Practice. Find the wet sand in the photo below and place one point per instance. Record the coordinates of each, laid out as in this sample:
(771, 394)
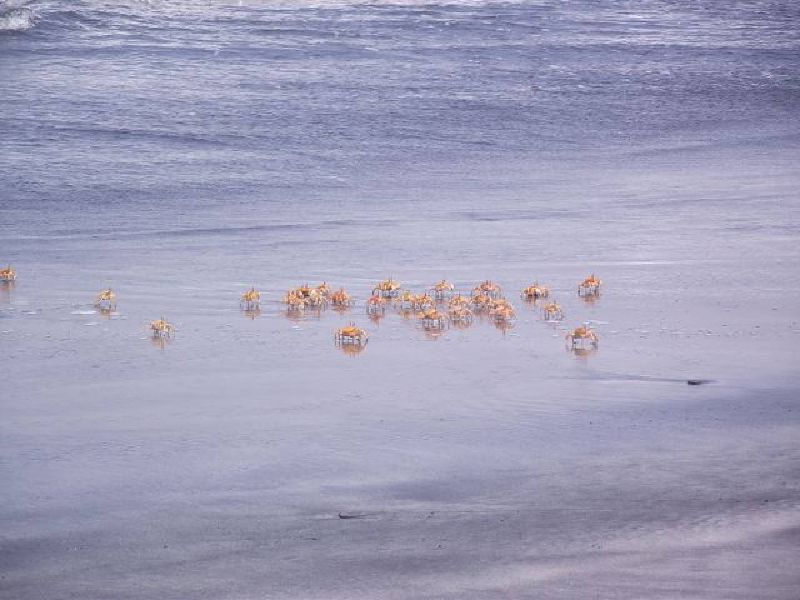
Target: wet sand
(206, 487)
(482, 464)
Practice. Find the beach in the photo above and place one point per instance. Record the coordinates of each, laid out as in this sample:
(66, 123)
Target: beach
(182, 155)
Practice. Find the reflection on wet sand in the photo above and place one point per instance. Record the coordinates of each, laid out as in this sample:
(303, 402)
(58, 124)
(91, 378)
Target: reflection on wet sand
(252, 313)
(591, 299)
(6, 289)
(160, 342)
(351, 350)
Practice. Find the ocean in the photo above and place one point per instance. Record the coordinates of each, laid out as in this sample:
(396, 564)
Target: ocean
(182, 152)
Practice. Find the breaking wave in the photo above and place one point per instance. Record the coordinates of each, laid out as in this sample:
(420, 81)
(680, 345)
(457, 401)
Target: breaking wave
(17, 19)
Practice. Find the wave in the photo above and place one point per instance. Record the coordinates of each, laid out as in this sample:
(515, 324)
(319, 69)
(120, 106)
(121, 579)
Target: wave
(17, 19)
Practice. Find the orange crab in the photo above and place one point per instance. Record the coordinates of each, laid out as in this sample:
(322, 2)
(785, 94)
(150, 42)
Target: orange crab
(106, 300)
(535, 291)
(459, 301)
(582, 338)
(305, 297)
(589, 286)
(162, 328)
(341, 299)
(503, 313)
(433, 320)
(303, 291)
(442, 290)
(422, 302)
(351, 336)
(251, 299)
(387, 289)
(7, 275)
(552, 312)
(406, 301)
(498, 304)
(294, 301)
(316, 299)
(481, 302)
(376, 306)
(488, 288)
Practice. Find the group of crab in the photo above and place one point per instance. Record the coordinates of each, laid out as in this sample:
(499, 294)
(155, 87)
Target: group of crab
(584, 339)
(485, 298)
(106, 303)
(305, 297)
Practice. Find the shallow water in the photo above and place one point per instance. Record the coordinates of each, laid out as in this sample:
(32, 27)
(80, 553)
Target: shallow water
(181, 154)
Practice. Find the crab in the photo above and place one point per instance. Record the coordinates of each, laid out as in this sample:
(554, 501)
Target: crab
(376, 306)
(351, 336)
(305, 297)
(162, 328)
(433, 320)
(582, 338)
(302, 292)
(387, 289)
(503, 314)
(589, 286)
(487, 288)
(500, 303)
(552, 312)
(324, 289)
(8, 274)
(341, 299)
(481, 302)
(422, 302)
(459, 301)
(460, 315)
(535, 291)
(442, 290)
(106, 300)
(294, 301)
(251, 299)
(406, 301)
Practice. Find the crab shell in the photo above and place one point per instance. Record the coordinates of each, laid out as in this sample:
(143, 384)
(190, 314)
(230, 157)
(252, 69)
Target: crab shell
(536, 291)
(161, 327)
(340, 298)
(389, 285)
(351, 335)
(487, 287)
(505, 313)
(106, 296)
(481, 301)
(501, 304)
(553, 312)
(444, 285)
(583, 333)
(251, 295)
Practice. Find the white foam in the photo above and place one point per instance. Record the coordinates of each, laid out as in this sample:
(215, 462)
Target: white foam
(18, 19)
